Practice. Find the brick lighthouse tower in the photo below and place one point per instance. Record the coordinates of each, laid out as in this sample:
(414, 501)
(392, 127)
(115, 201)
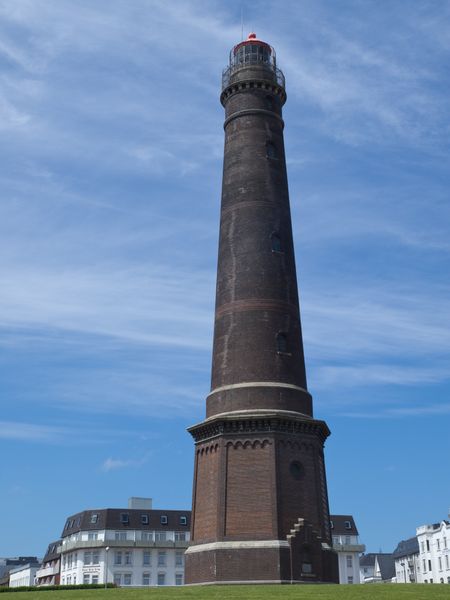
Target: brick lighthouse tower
(260, 503)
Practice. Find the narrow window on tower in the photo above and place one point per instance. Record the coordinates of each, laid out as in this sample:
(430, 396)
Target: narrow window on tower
(269, 103)
(271, 151)
(282, 346)
(276, 242)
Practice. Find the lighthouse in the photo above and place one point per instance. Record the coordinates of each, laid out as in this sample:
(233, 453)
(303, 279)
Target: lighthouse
(260, 502)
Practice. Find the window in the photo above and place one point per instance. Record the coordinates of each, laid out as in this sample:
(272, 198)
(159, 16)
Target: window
(179, 559)
(446, 562)
(124, 518)
(145, 578)
(296, 469)
(94, 518)
(117, 578)
(128, 557)
(178, 578)
(92, 535)
(180, 536)
(349, 561)
(74, 580)
(120, 535)
(431, 580)
(127, 579)
(269, 103)
(422, 546)
(164, 520)
(144, 519)
(146, 557)
(428, 545)
(347, 525)
(276, 242)
(271, 151)
(331, 525)
(160, 536)
(183, 520)
(147, 536)
(162, 559)
(429, 565)
(86, 578)
(78, 522)
(441, 580)
(88, 558)
(161, 579)
(424, 565)
(94, 579)
(118, 557)
(95, 557)
(440, 563)
(281, 343)
(349, 579)
(347, 540)
(335, 539)
(438, 544)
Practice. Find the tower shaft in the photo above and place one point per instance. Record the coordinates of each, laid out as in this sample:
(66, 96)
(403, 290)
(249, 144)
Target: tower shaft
(260, 504)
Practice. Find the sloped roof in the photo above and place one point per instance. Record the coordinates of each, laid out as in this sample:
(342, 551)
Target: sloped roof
(110, 518)
(406, 548)
(340, 525)
(367, 560)
(387, 566)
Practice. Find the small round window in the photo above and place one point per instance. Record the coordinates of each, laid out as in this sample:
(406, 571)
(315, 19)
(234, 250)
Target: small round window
(296, 469)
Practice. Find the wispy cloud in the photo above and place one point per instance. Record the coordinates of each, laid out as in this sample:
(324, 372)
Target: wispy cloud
(114, 464)
(27, 432)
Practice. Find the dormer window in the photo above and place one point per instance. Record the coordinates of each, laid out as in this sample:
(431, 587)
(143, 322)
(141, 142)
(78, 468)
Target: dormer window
(347, 525)
(164, 520)
(94, 518)
(144, 519)
(331, 524)
(124, 518)
(183, 520)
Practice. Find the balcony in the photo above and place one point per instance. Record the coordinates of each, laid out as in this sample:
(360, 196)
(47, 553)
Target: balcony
(48, 571)
(272, 73)
(349, 547)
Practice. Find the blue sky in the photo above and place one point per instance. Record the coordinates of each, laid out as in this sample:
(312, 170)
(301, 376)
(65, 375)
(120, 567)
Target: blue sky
(111, 152)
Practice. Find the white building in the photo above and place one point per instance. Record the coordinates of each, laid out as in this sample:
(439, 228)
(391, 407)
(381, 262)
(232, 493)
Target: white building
(134, 546)
(406, 560)
(377, 568)
(23, 575)
(434, 553)
(347, 546)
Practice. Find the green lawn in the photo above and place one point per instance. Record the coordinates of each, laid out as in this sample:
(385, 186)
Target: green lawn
(248, 592)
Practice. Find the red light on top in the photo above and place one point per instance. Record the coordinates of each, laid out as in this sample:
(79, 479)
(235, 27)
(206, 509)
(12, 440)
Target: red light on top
(251, 39)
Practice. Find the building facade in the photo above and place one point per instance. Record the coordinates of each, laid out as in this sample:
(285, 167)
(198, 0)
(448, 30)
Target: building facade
(377, 568)
(24, 575)
(434, 553)
(49, 572)
(346, 544)
(406, 559)
(129, 547)
(260, 501)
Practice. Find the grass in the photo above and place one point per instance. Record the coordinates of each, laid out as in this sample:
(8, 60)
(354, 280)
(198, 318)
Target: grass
(248, 592)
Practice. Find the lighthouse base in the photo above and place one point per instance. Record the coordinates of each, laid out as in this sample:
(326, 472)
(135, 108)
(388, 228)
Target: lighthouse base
(260, 562)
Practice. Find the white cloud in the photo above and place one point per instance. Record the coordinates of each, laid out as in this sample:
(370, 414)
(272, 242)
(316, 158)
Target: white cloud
(114, 464)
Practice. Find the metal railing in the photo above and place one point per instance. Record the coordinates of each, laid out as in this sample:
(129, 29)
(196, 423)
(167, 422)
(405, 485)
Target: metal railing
(231, 70)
